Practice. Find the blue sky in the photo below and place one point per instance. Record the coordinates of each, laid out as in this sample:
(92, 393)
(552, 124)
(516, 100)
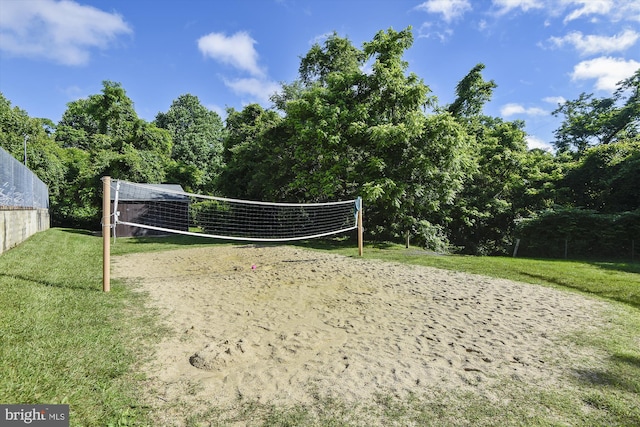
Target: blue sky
(231, 53)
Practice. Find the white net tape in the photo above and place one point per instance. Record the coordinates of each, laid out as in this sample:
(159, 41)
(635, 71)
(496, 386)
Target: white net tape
(166, 208)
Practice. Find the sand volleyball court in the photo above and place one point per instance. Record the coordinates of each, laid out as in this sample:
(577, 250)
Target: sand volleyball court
(283, 325)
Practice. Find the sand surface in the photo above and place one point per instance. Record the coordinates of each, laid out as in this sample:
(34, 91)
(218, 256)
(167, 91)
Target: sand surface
(283, 324)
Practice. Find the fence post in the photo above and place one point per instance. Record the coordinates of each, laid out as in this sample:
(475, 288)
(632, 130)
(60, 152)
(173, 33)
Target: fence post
(25, 150)
(360, 227)
(515, 249)
(106, 233)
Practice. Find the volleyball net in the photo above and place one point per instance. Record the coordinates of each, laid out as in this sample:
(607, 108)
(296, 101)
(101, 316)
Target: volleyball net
(162, 208)
(168, 209)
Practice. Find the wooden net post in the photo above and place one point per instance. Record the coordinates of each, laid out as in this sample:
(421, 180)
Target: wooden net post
(360, 227)
(106, 234)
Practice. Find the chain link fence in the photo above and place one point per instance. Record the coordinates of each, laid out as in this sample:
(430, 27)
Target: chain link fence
(561, 248)
(19, 187)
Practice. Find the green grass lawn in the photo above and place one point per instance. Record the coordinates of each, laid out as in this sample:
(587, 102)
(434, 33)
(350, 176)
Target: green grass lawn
(62, 340)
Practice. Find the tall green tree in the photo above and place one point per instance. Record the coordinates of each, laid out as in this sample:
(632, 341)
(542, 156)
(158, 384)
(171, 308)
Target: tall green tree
(412, 165)
(253, 164)
(541, 187)
(482, 218)
(107, 127)
(590, 121)
(104, 136)
(324, 119)
(349, 133)
(197, 135)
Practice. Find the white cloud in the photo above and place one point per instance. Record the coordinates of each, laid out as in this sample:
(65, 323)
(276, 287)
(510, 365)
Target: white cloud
(64, 31)
(236, 50)
(591, 44)
(257, 88)
(535, 142)
(605, 70)
(556, 100)
(588, 7)
(512, 109)
(426, 31)
(450, 9)
(72, 92)
(506, 6)
(614, 10)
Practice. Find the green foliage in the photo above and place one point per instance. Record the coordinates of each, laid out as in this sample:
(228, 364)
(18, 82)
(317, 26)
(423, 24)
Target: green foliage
(472, 92)
(103, 135)
(202, 212)
(337, 55)
(590, 121)
(253, 166)
(606, 179)
(482, 217)
(197, 135)
(347, 133)
(540, 189)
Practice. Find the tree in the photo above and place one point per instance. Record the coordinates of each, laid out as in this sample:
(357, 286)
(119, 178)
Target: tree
(353, 133)
(472, 92)
(323, 133)
(540, 188)
(104, 136)
(605, 179)
(481, 219)
(590, 121)
(253, 167)
(107, 127)
(337, 55)
(324, 122)
(412, 166)
(197, 135)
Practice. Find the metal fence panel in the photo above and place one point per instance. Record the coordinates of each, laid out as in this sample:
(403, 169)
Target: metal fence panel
(19, 187)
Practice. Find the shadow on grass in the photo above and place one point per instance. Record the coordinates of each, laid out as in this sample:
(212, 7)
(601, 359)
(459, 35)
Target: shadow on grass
(624, 378)
(545, 279)
(42, 282)
(633, 361)
(628, 267)
(78, 231)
